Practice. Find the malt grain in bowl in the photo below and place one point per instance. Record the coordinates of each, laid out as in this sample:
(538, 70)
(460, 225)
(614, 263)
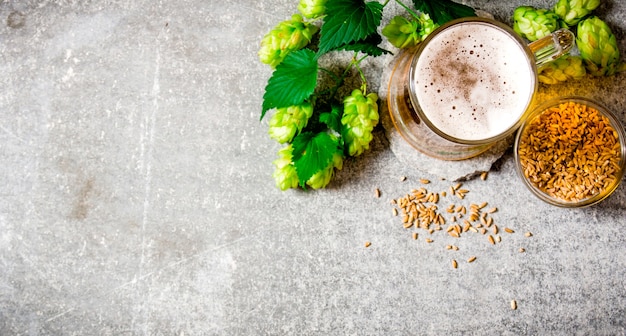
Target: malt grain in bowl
(571, 152)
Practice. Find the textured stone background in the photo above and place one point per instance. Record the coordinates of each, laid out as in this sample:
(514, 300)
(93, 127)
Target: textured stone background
(137, 196)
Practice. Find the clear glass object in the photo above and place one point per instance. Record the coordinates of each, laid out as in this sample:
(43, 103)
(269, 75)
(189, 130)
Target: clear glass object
(608, 189)
(422, 133)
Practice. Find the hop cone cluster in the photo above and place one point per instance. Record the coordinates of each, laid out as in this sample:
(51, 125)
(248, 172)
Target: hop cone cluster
(572, 11)
(533, 24)
(405, 33)
(360, 116)
(285, 173)
(287, 36)
(286, 176)
(598, 47)
(312, 9)
(288, 121)
(563, 69)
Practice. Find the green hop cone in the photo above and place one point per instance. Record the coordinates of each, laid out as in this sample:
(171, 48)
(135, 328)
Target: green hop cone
(287, 36)
(312, 8)
(533, 24)
(288, 121)
(323, 177)
(270, 51)
(598, 47)
(563, 69)
(428, 26)
(405, 33)
(285, 173)
(572, 11)
(360, 116)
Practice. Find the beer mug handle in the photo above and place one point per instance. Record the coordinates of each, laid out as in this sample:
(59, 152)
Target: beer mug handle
(552, 46)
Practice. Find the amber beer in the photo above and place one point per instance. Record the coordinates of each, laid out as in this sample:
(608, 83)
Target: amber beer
(473, 81)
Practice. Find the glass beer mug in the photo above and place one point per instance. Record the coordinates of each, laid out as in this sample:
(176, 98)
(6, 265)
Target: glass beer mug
(470, 84)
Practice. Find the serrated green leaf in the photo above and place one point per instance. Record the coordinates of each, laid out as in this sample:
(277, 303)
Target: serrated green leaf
(442, 11)
(367, 46)
(348, 21)
(313, 152)
(332, 119)
(292, 82)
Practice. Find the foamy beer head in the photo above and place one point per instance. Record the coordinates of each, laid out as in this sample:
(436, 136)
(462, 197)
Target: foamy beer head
(472, 81)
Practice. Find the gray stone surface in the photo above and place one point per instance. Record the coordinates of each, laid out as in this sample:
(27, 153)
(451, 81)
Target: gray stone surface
(137, 197)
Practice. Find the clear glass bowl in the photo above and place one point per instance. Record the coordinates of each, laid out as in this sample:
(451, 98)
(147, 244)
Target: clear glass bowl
(563, 161)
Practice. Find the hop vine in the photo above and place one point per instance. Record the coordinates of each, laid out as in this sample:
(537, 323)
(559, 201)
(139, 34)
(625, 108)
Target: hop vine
(320, 126)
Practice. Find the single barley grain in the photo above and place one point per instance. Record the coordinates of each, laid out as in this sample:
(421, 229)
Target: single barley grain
(454, 234)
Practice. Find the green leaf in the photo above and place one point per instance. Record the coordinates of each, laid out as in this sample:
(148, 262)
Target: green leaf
(332, 119)
(442, 11)
(292, 82)
(367, 46)
(348, 21)
(313, 152)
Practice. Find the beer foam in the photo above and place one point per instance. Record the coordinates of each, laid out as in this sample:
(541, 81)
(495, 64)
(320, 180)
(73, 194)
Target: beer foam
(473, 81)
